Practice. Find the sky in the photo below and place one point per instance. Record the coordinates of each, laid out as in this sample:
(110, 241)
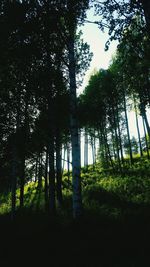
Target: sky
(96, 39)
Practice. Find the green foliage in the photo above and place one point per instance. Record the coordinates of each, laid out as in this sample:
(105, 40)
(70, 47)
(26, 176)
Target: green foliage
(105, 193)
(115, 195)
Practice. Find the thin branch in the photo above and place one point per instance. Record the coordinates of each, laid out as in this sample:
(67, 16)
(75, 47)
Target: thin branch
(98, 23)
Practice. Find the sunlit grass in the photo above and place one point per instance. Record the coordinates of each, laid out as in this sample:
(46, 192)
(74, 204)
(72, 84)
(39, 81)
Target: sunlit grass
(108, 194)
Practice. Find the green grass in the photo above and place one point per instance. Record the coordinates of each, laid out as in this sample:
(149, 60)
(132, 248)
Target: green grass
(106, 193)
(112, 232)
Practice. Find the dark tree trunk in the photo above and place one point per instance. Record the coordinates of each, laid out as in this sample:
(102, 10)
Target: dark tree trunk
(58, 169)
(14, 179)
(23, 152)
(113, 145)
(22, 181)
(36, 169)
(119, 137)
(68, 163)
(137, 126)
(40, 170)
(93, 151)
(46, 180)
(146, 141)
(127, 125)
(108, 151)
(86, 149)
(64, 155)
(116, 138)
(143, 113)
(52, 202)
(146, 8)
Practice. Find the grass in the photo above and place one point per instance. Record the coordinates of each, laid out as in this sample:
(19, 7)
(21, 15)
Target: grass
(113, 232)
(101, 190)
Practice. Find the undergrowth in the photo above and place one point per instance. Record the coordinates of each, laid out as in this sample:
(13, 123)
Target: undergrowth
(106, 193)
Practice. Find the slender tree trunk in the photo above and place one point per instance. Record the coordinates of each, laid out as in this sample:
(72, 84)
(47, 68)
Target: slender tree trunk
(93, 151)
(108, 150)
(52, 176)
(36, 169)
(113, 145)
(23, 152)
(144, 115)
(76, 165)
(58, 169)
(127, 125)
(15, 159)
(22, 181)
(94, 148)
(119, 137)
(146, 8)
(14, 180)
(64, 155)
(68, 163)
(40, 172)
(101, 146)
(86, 149)
(46, 180)
(147, 149)
(116, 137)
(137, 126)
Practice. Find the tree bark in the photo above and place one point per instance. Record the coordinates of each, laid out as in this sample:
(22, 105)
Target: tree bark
(52, 202)
(14, 180)
(143, 112)
(127, 125)
(116, 137)
(137, 126)
(147, 149)
(86, 149)
(119, 135)
(76, 166)
(46, 180)
(58, 170)
(146, 8)
(68, 163)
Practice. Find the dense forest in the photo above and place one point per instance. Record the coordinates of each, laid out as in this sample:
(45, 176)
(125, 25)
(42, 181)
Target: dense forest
(53, 210)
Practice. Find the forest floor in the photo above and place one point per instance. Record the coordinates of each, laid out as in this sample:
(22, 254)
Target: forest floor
(114, 230)
(94, 241)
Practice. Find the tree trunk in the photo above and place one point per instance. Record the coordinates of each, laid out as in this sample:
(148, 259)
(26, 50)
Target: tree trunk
(119, 137)
(147, 149)
(46, 180)
(58, 169)
(127, 125)
(86, 149)
(143, 112)
(93, 151)
(68, 163)
(64, 155)
(146, 8)
(23, 152)
(113, 145)
(116, 137)
(36, 169)
(14, 179)
(40, 172)
(52, 176)
(108, 150)
(75, 142)
(22, 180)
(137, 126)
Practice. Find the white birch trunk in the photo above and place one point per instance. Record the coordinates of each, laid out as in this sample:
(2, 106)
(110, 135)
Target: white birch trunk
(86, 149)
(76, 165)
